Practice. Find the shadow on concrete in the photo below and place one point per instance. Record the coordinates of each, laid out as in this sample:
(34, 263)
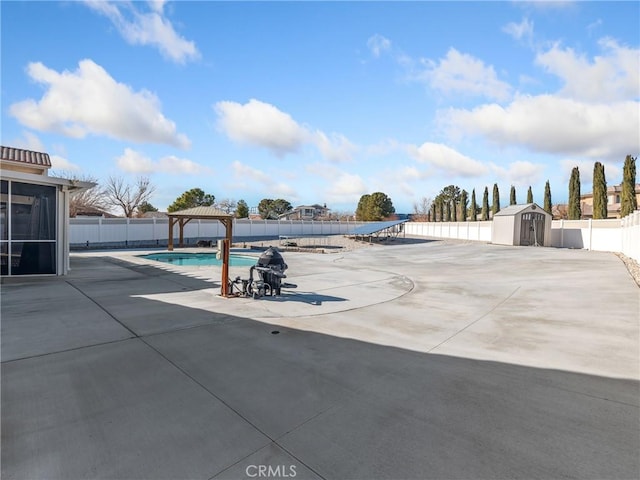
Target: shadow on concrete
(302, 297)
(217, 399)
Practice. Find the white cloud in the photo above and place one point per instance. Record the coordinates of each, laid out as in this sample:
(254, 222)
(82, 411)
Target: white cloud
(550, 124)
(460, 73)
(520, 173)
(132, 161)
(146, 28)
(520, 31)
(90, 101)
(260, 181)
(346, 188)
(338, 148)
(260, 124)
(448, 160)
(264, 125)
(62, 164)
(378, 44)
(612, 76)
(29, 141)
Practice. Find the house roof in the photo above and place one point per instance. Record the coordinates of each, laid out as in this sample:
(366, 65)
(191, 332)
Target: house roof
(201, 212)
(26, 157)
(515, 209)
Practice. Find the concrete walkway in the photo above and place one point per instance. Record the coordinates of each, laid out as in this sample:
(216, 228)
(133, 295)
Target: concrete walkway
(432, 360)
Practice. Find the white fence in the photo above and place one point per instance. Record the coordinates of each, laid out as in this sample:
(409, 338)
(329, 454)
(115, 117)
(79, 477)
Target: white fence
(479, 231)
(611, 235)
(155, 231)
(604, 235)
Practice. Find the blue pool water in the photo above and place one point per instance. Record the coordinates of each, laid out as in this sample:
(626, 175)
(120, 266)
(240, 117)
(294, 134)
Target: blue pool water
(200, 259)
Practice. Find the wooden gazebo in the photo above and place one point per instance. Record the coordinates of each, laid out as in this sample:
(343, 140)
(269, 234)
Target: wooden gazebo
(183, 217)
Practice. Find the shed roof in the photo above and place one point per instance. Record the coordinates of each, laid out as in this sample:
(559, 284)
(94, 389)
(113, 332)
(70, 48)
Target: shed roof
(515, 209)
(26, 157)
(201, 212)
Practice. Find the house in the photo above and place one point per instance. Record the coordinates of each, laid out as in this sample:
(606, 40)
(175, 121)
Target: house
(306, 212)
(34, 214)
(614, 194)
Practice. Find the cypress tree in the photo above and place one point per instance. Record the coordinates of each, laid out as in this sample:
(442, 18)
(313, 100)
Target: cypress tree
(485, 205)
(599, 192)
(433, 211)
(495, 208)
(454, 211)
(474, 207)
(512, 196)
(440, 209)
(574, 195)
(629, 202)
(464, 202)
(529, 195)
(547, 197)
(447, 211)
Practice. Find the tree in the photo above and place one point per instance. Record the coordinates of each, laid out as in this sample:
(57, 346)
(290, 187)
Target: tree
(628, 200)
(195, 197)
(374, 207)
(90, 200)
(421, 210)
(485, 205)
(440, 208)
(512, 196)
(529, 195)
(464, 202)
(227, 205)
(271, 209)
(495, 208)
(447, 211)
(474, 206)
(119, 194)
(433, 212)
(145, 207)
(575, 211)
(599, 192)
(242, 209)
(547, 197)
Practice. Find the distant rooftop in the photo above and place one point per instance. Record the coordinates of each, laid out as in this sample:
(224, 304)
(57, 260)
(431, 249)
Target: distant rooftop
(26, 157)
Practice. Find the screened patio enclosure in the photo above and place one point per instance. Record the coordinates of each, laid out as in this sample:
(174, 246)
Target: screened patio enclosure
(34, 215)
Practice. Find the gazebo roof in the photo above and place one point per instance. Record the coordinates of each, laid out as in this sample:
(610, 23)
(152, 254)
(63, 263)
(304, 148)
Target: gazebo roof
(201, 213)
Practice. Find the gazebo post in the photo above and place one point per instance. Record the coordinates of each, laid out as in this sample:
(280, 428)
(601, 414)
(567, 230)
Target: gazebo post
(172, 222)
(226, 247)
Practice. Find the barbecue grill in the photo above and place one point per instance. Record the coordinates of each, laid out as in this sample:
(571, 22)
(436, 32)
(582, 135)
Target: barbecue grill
(270, 270)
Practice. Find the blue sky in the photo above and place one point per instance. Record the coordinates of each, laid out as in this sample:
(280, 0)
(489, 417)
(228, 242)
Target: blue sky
(322, 102)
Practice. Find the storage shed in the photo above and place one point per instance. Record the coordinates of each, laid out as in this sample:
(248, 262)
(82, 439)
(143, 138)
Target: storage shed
(524, 225)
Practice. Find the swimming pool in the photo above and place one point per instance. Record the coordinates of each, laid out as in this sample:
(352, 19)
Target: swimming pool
(200, 259)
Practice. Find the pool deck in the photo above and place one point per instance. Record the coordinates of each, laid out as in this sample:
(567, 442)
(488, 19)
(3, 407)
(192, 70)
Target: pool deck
(441, 360)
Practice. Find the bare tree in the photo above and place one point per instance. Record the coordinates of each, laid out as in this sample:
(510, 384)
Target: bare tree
(128, 197)
(421, 210)
(85, 201)
(227, 205)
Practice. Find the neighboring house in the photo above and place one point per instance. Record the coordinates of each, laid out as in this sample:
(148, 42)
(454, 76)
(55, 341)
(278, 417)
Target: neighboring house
(614, 193)
(306, 212)
(34, 214)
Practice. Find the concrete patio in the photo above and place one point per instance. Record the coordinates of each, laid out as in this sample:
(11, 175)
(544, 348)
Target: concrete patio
(434, 360)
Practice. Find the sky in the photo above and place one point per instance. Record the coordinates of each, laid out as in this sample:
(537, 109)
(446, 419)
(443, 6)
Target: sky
(322, 102)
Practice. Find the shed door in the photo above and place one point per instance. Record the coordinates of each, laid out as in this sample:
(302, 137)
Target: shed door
(532, 228)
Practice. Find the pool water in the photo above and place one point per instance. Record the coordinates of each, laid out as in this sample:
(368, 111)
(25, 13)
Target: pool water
(200, 259)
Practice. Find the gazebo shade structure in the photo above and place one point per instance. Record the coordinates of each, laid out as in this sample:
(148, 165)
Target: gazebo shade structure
(183, 217)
